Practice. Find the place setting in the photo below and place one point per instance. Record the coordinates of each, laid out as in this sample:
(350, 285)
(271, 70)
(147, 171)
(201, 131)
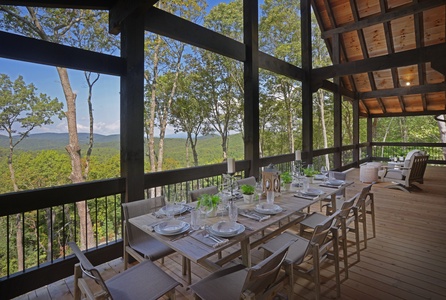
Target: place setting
(218, 234)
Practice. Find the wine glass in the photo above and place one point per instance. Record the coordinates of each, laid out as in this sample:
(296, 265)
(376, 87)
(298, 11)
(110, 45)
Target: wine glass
(324, 172)
(170, 207)
(223, 204)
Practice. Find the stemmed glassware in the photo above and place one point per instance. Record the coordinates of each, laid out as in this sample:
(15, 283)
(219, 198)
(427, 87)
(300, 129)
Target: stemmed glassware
(324, 172)
(223, 204)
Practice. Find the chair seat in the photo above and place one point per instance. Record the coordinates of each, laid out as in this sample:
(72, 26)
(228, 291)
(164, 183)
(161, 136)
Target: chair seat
(395, 174)
(232, 283)
(150, 247)
(141, 282)
(296, 251)
(313, 220)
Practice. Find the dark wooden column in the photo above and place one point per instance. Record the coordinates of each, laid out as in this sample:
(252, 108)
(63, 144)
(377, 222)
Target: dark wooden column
(337, 106)
(355, 104)
(251, 85)
(132, 106)
(307, 95)
(369, 137)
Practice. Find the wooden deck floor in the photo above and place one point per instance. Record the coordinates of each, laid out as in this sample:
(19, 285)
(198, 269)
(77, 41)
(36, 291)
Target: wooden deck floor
(406, 260)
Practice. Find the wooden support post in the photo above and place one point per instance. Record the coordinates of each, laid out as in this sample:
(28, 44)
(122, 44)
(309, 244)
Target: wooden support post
(307, 95)
(369, 137)
(132, 106)
(251, 86)
(337, 106)
(356, 131)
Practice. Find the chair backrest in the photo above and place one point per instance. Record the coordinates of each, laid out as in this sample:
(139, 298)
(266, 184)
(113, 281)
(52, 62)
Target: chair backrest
(138, 208)
(88, 269)
(363, 196)
(347, 206)
(321, 231)
(249, 181)
(417, 167)
(195, 194)
(339, 176)
(264, 275)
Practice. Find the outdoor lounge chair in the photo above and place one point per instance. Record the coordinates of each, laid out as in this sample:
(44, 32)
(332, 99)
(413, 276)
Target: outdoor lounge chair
(133, 283)
(403, 178)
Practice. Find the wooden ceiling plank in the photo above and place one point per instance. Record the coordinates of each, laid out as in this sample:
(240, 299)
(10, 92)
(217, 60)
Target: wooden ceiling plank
(330, 46)
(391, 49)
(365, 53)
(396, 13)
(400, 59)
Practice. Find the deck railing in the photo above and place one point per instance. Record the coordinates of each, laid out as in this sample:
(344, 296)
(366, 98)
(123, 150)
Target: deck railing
(39, 210)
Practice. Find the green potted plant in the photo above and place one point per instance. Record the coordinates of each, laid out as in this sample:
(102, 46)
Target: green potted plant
(248, 192)
(310, 172)
(286, 178)
(208, 204)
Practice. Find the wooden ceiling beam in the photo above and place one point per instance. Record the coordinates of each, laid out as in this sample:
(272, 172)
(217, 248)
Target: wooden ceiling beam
(439, 65)
(400, 59)
(122, 9)
(165, 24)
(399, 12)
(404, 91)
(409, 114)
(46, 53)
(419, 41)
(75, 4)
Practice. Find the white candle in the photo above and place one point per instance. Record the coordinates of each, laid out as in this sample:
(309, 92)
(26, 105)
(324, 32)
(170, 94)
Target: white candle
(298, 155)
(231, 165)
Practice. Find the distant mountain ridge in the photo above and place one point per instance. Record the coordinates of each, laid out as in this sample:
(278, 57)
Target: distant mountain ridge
(58, 141)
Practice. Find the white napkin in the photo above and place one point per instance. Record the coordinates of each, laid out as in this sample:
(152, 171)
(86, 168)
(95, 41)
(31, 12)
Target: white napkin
(151, 226)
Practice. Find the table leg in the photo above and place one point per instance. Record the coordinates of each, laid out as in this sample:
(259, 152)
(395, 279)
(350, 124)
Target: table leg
(245, 248)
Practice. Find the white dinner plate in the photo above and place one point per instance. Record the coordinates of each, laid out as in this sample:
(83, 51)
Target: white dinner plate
(177, 209)
(319, 177)
(313, 192)
(225, 235)
(172, 227)
(225, 227)
(268, 209)
(335, 182)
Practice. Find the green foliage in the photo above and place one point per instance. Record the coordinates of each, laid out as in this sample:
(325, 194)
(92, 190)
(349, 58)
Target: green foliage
(247, 189)
(286, 177)
(309, 172)
(208, 200)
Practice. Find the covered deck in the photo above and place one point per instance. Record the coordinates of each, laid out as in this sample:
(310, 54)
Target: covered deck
(406, 260)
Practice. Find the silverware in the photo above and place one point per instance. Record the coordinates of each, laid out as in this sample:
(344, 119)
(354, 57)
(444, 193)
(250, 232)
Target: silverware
(214, 238)
(181, 236)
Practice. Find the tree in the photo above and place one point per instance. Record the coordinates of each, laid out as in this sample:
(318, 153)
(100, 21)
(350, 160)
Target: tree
(57, 26)
(164, 64)
(20, 106)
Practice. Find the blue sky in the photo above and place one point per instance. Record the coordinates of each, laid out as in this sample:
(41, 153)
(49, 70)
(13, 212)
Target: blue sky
(105, 94)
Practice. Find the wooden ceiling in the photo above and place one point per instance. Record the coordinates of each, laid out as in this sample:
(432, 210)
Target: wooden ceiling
(398, 47)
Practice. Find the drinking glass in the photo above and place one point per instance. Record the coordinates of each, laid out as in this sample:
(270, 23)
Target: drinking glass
(195, 219)
(170, 207)
(223, 204)
(233, 212)
(259, 191)
(324, 172)
(306, 185)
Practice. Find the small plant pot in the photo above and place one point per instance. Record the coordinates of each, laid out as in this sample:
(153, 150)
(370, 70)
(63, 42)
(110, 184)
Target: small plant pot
(248, 198)
(212, 213)
(310, 179)
(287, 186)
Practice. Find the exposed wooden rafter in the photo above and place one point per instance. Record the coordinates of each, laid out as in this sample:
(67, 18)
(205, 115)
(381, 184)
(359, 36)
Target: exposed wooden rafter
(393, 14)
(76, 4)
(122, 9)
(403, 91)
(400, 59)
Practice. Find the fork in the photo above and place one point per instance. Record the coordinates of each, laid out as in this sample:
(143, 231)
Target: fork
(214, 238)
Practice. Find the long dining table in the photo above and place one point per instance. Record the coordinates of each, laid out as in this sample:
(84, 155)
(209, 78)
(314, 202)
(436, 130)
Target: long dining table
(255, 233)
